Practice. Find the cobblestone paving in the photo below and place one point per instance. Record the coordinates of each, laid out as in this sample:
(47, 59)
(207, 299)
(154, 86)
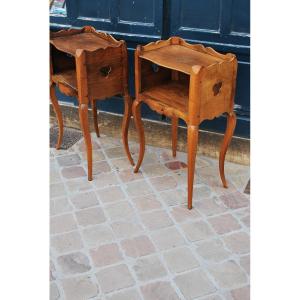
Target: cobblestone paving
(130, 236)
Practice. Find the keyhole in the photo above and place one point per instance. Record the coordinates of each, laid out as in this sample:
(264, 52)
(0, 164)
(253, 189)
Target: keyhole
(217, 87)
(105, 71)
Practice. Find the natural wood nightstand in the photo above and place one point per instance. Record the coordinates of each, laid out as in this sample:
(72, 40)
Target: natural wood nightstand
(91, 66)
(186, 81)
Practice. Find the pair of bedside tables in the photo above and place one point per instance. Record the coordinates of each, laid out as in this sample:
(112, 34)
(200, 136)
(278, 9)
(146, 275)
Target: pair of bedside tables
(172, 77)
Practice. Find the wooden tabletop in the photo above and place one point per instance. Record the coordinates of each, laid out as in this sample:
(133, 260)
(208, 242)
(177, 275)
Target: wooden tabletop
(179, 58)
(86, 41)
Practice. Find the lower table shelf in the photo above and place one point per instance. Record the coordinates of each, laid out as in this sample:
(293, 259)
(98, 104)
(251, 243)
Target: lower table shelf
(172, 94)
(67, 77)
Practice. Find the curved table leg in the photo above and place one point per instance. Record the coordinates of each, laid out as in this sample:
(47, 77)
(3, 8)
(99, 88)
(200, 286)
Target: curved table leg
(58, 115)
(84, 122)
(125, 126)
(193, 132)
(136, 109)
(174, 135)
(231, 122)
(95, 117)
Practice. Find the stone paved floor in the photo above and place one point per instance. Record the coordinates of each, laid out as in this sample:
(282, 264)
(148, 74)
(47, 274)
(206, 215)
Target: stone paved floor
(130, 236)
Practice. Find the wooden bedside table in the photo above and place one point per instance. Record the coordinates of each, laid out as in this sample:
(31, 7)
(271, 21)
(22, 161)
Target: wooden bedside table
(186, 81)
(91, 66)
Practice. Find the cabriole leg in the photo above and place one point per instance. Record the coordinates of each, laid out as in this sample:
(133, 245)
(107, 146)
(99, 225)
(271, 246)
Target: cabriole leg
(125, 125)
(58, 114)
(231, 122)
(174, 135)
(192, 151)
(95, 117)
(136, 109)
(84, 122)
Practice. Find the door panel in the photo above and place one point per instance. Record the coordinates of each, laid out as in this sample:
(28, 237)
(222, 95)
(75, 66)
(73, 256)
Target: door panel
(98, 9)
(241, 17)
(200, 15)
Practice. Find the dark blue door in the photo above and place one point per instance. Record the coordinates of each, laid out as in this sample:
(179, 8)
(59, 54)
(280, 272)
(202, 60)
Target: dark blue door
(221, 24)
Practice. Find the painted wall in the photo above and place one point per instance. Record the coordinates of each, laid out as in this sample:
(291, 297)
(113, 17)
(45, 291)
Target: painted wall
(221, 24)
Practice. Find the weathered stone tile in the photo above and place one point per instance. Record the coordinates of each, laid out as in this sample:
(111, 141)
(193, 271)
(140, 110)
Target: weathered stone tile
(90, 216)
(62, 223)
(156, 220)
(235, 200)
(106, 255)
(54, 292)
(97, 155)
(57, 190)
(238, 243)
(101, 167)
(180, 259)
(241, 293)
(74, 263)
(212, 297)
(138, 188)
(106, 180)
(160, 290)
(97, 235)
(128, 175)
(84, 200)
(115, 152)
(180, 177)
(52, 271)
(224, 223)
(209, 206)
(149, 158)
(108, 142)
(218, 188)
(148, 268)
(166, 155)
(114, 278)
(228, 274)
(79, 185)
(151, 170)
(59, 206)
(244, 216)
(167, 238)
(81, 145)
(213, 250)
(66, 242)
(122, 164)
(174, 197)
(79, 288)
(196, 231)
(182, 214)
(131, 294)
(126, 229)
(138, 246)
(111, 194)
(163, 183)
(73, 172)
(175, 165)
(69, 160)
(246, 220)
(245, 263)
(145, 203)
(200, 192)
(119, 210)
(194, 284)
(54, 176)
(203, 162)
